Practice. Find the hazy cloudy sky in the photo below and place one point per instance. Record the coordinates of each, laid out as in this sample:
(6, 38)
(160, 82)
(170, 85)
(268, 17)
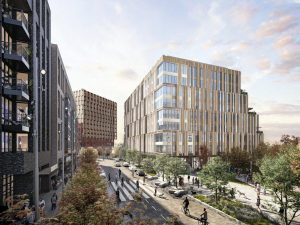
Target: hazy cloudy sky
(109, 46)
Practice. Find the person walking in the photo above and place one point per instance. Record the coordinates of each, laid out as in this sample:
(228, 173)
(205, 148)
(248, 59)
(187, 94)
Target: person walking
(258, 202)
(155, 190)
(118, 194)
(53, 201)
(144, 179)
(137, 185)
(117, 177)
(189, 179)
(122, 181)
(108, 176)
(193, 180)
(198, 182)
(203, 216)
(120, 172)
(42, 207)
(186, 203)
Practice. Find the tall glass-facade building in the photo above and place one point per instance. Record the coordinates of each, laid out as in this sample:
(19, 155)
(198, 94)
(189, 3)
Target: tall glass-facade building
(182, 105)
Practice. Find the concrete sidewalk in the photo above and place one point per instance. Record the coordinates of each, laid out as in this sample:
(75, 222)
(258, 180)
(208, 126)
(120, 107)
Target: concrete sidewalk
(47, 197)
(174, 205)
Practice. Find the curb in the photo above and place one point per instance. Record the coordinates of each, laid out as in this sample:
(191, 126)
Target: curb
(217, 211)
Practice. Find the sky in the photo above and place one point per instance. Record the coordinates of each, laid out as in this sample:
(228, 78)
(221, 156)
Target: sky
(109, 46)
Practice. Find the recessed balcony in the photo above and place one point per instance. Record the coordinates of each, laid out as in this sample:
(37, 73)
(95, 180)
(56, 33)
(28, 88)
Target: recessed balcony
(19, 124)
(13, 87)
(16, 55)
(15, 22)
(25, 5)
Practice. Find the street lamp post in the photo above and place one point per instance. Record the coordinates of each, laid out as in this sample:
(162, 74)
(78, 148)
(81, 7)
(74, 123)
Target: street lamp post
(35, 144)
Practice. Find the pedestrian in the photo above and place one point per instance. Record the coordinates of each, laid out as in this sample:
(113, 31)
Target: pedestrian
(122, 181)
(53, 201)
(193, 180)
(144, 179)
(198, 183)
(116, 177)
(137, 185)
(120, 172)
(42, 207)
(189, 179)
(155, 190)
(118, 194)
(203, 216)
(258, 202)
(108, 176)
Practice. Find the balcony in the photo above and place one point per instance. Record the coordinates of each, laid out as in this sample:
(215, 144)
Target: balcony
(25, 5)
(16, 162)
(15, 23)
(18, 125)
(16, 55)
(15, 87)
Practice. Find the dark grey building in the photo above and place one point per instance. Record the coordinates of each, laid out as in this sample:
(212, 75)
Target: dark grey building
(25, 51)
(63, 117)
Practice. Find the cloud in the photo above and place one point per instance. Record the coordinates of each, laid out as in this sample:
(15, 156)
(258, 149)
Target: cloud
(263, 64)
(127, 74)
(277, 25)
(283, 41)
(118, 8)
(273, 131)
(282, 109)
(243, 13)
(288, 61)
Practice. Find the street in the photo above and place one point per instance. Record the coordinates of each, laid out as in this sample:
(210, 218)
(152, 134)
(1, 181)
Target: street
(148, 208)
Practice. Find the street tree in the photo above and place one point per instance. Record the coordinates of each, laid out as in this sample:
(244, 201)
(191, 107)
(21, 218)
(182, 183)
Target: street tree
(289, 140)
(160, 164)
(130, 156)
(237, 158)
(175, 167)
(215, 175)
(276, 173)
(137, 157)
(148, 165)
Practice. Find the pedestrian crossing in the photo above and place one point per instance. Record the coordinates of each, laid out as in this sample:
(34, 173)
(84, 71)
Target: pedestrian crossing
(126, 191)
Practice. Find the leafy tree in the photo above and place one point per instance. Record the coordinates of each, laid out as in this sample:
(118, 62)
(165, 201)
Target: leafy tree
(289, 140)
(148, 165)
(203, 154)
(215, 174)
(175, 167)
(160, 164)
(237, 158)
(130, 156)
(137, 157)
(276, 173)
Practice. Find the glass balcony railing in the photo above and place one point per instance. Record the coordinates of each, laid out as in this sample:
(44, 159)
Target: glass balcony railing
(19, 49)
(15, 84)
(12, 150)
(16, 14)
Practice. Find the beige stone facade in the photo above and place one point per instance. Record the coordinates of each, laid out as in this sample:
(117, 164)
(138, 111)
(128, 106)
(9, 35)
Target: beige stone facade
(181, 105)
(97, 120)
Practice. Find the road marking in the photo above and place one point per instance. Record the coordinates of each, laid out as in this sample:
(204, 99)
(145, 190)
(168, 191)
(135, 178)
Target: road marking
(120, 194)
(144, 195)
(154, 208)
(163, 217)
(147, 201)
(125, 191)
(129, 187)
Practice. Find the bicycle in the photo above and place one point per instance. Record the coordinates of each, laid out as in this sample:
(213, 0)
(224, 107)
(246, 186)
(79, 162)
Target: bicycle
(186, 211)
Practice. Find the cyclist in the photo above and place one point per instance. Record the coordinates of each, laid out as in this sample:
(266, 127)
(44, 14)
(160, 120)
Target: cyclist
(186, 205)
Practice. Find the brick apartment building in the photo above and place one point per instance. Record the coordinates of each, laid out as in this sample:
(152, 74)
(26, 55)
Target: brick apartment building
(97, 120)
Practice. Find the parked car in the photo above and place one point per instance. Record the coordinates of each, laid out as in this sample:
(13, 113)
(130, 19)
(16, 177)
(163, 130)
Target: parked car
(102, 174)
(125, 164)
(180, 193)
(132, 168)
(140, 173)
(117, 164)
(152, 177)
(163, 184)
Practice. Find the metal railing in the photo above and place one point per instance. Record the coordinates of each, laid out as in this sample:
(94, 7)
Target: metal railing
(16, 48)
(19, 119)
(15, 84)
(16, 14)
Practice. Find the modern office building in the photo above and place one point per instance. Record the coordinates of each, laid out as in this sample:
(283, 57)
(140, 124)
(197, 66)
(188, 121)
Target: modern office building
(97, 120)
(182, 105)
(63, 118)
(25, 51)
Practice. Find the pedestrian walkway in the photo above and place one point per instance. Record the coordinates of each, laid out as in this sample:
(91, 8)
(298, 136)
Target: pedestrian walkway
(47, 197)
(127, 191)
